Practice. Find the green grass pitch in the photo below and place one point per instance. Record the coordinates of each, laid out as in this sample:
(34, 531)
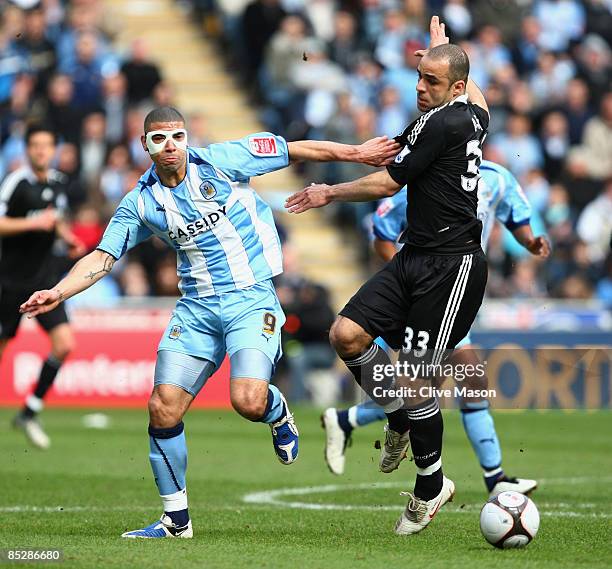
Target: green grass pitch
(94, 484)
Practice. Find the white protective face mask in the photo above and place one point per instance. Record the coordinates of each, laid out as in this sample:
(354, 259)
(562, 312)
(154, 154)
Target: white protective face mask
(157, 147)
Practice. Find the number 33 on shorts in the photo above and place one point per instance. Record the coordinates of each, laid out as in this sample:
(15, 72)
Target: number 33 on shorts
(420, 346)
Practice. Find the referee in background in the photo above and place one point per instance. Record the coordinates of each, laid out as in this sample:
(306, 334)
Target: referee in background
(32, 204)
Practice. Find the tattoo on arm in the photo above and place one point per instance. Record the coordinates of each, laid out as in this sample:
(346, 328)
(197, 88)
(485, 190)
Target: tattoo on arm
(108, 266)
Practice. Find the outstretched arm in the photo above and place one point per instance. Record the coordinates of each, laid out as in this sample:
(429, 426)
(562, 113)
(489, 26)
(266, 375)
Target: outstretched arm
(45, 221)
(372, 187)
(538, 246)
(88, 271)
(437, 35)
(378, 151)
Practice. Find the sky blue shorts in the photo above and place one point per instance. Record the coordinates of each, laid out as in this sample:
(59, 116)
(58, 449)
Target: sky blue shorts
(213, 326)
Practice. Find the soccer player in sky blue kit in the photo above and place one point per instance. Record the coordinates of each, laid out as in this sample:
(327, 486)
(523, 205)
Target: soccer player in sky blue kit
(499, 197)
(197, 200)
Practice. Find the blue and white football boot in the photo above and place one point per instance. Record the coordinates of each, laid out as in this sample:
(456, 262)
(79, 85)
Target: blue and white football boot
(165, 527)
(285, 436)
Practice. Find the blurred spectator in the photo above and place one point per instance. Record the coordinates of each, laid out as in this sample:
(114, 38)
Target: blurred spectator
(524, 280)
(112, 181)
(86, 72)
(526, 50)
(489, 52)
(199, 136)
(548, 82)
(537, 189)
(68, 163)
(392, 118)
(577, 109)
(87, 226)
(166, 280)
(309, 317)
(39, 50)
(389, 46)
(595, 225)
(365, 82)
(18, 107)
(518, 147)
(594, 65)
(164, 95)
(141, 74)
(12, 64)
(346, 42)
(320, 80)
(114, 105)
(133, 131)
(561, 21)
(555, 144)
(59, 111)
(457, 18)
(575, 287)
(133, 280)
(521, 99)
(287, 49)
(593, 158)
(260, 20)
(93, 148)
(405, 77)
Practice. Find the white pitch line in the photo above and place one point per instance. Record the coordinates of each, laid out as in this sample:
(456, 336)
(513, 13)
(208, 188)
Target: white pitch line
(271, 498)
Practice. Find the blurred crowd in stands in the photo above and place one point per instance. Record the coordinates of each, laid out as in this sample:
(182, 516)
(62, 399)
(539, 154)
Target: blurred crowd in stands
(346, 71)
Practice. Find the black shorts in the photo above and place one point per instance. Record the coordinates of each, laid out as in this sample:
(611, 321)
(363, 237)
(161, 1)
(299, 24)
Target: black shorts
(421, 301)
(11, 300)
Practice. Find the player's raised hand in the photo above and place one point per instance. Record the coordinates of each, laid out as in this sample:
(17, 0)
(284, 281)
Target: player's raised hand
(437, 36)
(315, 195)
(539, 246)
(44, 221)
(40, 302)
(378, 151)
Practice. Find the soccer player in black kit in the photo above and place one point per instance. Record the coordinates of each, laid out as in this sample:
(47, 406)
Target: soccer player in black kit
(427, 297)
(32, 201)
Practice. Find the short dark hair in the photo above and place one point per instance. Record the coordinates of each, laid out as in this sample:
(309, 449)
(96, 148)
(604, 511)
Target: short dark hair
(162, 114)
(39, 127)
(458, 61)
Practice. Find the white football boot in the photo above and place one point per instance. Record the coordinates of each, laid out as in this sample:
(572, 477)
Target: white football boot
(394, 450)
(33, 431)
(520, 485)
(419, 513)
(335, 441)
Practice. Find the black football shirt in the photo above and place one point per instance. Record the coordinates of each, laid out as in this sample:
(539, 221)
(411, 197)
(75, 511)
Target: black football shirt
(439, 163)
(25, 258)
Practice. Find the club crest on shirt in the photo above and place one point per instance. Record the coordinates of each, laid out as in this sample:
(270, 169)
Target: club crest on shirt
(208, 190)
(402, 154)
(175, 332)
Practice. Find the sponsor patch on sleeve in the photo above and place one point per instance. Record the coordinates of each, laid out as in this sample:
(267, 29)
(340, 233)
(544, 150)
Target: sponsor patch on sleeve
(384, 208)
(263, 146)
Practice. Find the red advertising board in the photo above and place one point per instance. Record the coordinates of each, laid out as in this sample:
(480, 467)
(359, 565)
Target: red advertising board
(112, 365)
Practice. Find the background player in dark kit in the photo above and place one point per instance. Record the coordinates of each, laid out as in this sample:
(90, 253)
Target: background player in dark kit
(32, 202)
(427, 297)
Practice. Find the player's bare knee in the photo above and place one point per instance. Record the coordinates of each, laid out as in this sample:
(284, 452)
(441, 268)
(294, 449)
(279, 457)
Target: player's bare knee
(476, 382)
(161, 414)
(348, 338)
(63, 350)
(250, 404)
